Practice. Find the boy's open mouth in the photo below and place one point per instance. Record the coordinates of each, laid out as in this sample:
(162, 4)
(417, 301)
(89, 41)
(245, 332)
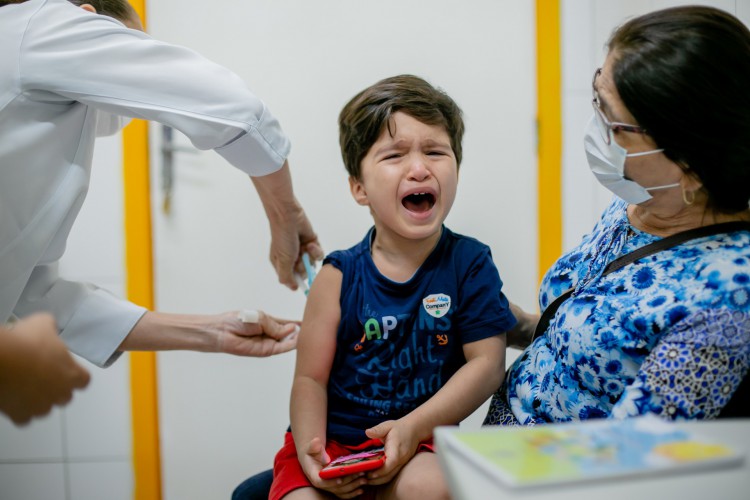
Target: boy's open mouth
(418, 202)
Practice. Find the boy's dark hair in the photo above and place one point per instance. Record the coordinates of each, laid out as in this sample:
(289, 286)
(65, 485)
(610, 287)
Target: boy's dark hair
(684, 74)
(368, 113)
(119, 9)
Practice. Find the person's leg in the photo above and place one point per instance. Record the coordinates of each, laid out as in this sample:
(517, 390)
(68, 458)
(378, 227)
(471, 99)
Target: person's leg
(289, 480)
(307, 494)
(420, 478)
(256, 487)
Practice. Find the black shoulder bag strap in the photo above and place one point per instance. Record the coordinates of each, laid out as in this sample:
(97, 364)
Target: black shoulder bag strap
(629, 258)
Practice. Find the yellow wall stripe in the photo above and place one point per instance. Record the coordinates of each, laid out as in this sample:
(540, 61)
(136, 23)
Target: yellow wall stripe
(139, 278)
(549, 123)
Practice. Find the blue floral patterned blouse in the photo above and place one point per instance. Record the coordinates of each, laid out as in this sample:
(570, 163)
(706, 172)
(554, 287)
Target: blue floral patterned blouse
(668, 334)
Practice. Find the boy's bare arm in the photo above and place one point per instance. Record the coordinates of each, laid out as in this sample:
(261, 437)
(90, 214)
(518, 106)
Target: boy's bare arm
(309, 400)
(316, 348)
(466, 390)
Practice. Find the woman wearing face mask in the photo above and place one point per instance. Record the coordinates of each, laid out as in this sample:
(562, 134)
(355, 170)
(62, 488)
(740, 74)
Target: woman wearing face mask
(665, 330)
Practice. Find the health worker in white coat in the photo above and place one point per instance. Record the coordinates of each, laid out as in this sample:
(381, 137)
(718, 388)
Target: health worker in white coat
(68, 73)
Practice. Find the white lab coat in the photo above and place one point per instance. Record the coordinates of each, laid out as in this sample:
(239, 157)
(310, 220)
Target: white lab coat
(62, 71)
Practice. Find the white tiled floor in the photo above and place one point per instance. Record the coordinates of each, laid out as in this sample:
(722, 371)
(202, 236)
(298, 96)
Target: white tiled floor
(82, 452)
(87, 444)
(41, 440)
(101, 480)
(97, 425)
(32, 482)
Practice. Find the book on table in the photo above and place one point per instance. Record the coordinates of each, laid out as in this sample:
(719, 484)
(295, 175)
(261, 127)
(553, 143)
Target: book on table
(592, 450)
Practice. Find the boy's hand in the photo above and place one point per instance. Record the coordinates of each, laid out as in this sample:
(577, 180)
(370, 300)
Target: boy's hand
(315, 458)
(400, 445)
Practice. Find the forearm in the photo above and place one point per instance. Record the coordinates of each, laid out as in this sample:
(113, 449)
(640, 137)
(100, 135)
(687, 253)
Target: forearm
(93, 322)
(162, 332)
(277, 195)
(521, 334)
(308, 408)
(292, 234)
(464, 392)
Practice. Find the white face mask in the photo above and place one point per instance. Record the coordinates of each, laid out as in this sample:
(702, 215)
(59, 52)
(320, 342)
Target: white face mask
(607, 162)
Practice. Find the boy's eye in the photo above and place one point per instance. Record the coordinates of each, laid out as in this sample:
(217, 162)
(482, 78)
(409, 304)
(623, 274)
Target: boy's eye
(391, 156)
(435, 153)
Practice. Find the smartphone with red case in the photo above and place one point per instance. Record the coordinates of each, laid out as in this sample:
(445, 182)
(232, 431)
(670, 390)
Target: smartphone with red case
(351, 464)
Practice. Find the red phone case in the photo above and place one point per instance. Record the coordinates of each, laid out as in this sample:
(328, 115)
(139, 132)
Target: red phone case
(351, 464)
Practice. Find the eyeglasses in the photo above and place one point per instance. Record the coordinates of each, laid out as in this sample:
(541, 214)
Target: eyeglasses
(606, 127)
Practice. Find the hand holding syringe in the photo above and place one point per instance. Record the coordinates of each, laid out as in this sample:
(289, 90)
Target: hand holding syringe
(310, 270)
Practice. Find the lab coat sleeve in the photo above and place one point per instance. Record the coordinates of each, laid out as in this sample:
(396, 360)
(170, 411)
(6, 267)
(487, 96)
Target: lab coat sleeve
(74, 55)
(108, 124)
(93, 322)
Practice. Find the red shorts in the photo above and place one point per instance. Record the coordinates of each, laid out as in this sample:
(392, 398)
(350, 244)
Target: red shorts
(289, 476)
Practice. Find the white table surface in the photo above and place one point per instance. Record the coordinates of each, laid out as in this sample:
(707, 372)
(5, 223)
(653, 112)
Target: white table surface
(468, 483)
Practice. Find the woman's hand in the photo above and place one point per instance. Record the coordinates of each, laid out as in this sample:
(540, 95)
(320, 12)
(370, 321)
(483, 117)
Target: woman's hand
(521, 335)
(266, 337)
